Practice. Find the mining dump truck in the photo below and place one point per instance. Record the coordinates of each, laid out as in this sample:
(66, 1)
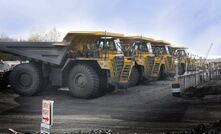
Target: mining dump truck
(166, 66)
(86, 62)
(182, 58)
(147, 64)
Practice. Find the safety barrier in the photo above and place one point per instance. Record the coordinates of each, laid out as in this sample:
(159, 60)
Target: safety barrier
(193, 79)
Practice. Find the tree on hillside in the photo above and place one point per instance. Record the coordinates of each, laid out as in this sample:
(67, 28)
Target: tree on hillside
(51, 35)
(35, 37)
(4, 37)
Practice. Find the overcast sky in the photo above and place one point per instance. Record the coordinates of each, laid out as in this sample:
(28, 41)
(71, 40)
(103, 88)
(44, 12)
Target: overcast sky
(192, 23)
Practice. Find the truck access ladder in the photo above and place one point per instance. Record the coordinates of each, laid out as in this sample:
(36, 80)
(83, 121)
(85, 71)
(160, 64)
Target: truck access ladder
(125, 74)
(156, 69)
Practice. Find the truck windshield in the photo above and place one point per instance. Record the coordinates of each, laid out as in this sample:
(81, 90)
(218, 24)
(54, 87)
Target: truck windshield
(180, 53)
(110, 44)
(159, 50)
(142, 47)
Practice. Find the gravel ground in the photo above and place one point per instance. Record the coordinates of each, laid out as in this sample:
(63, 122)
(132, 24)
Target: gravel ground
(146, 108)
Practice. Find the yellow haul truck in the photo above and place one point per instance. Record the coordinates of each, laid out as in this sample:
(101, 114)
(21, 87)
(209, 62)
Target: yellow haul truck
(147, 64)
(162, 54)
(86, 62)
(102, 52)
(180, 54)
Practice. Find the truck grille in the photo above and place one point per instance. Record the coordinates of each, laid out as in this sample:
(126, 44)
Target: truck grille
(150, 62)
(118, 65)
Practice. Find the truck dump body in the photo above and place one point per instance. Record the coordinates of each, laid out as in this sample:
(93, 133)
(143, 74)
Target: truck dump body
(49, 52)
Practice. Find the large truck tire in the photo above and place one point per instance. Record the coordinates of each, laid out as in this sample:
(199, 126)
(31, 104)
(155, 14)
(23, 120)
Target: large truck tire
(83, 82)
(162, 73)
(104, 86)
(26, 79)
(134, 77)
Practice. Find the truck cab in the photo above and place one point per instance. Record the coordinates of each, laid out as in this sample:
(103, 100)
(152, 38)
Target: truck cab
(181, 56)
(102, 50)
(139, 48)
(164, 58)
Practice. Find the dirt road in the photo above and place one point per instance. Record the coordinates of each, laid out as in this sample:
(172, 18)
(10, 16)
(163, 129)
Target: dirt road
(149, 107)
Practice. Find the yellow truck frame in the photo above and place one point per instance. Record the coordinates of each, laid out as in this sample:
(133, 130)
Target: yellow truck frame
(146, 64)
(181, 56)
(164, 57)
(100, 51)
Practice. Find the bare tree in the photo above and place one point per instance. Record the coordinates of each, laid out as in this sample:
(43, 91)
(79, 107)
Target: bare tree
(4, 37)
(34, 37)
(51, 35)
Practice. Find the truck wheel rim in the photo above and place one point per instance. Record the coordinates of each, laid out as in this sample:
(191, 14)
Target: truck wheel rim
(25, 80)
(80, 80)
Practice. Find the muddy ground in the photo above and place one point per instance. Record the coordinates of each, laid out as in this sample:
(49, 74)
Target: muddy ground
(146, 108)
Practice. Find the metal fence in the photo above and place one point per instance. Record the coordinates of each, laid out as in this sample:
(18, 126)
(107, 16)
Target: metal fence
(194, 79)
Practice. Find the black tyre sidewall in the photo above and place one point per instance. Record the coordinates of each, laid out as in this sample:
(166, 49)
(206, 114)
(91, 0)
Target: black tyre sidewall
(91, 88)
(35, 75)
(162, 73)
(134, 77)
